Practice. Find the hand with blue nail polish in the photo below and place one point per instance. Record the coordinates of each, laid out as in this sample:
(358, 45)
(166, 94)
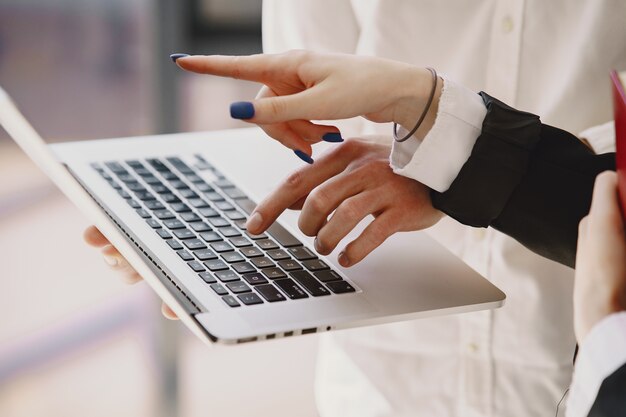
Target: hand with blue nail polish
(301, 87)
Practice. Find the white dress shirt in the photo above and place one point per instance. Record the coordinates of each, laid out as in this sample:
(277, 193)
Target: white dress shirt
(547, 57)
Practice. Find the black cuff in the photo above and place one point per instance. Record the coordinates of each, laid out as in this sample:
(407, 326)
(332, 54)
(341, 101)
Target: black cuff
(498, 162)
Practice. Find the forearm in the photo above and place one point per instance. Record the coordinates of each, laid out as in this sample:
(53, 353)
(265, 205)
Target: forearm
(531, 181)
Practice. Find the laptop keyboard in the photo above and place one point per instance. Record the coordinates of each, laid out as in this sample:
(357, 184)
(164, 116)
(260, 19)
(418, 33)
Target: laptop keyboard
(204, 223)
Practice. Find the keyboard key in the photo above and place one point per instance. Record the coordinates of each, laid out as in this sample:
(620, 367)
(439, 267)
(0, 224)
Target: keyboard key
(152, 180)
(190, 217)
(207, 277)
(227, 276)
(309, 283)
(277, 254)
(179, 207)
(246, 204)
(200, 227)
(218, 222)
(234, 215)
(273, 273)
(270, 293)
(219, 289)
(160, 189)
(169, 175)
(254, 278)
(250, 298)
(301, 253)
(289, 265)
(117, 187)
(327, 276)
(135, 187)
(133, 163)
(185, 256)
(178, 184)
(221, 247)
(196, 266)
(243, 268)
(224, 206)
(267, 244)
(213, 196)
(157, 164)
(234, 193)
(204, 187)
(124, 194)
(210, 236)
(238, 287)
(205, 254)
(164, 234)
(170, 198)
(173, 224)
(256, 237)
(215, 265)
(282, 236)
(198, 203)
(229, 231)
(290, 288)
(241, 224)
(340, 287)
(164, 214)
(116, 167)
(238, 241)
(232, 257)
(208, 212)
(134, 204)
(144, 214)
(184, 234)
(174, 244)
(315, 265)
(143, 172)
(251, 252)
(154, 205)
(262, 262)
(194, 244)
(144, 195)
(188, 193)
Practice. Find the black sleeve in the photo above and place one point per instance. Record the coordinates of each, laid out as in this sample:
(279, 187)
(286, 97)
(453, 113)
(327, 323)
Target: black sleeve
(528, 180)
(611, 399)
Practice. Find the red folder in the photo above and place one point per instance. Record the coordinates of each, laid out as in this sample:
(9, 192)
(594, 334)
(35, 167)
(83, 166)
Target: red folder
(619, 104)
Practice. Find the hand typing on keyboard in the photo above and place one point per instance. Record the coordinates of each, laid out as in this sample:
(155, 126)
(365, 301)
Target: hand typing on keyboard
(349, 183)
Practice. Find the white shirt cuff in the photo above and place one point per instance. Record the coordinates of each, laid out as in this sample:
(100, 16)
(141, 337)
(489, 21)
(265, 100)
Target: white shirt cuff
(437, 159)
(602, 352)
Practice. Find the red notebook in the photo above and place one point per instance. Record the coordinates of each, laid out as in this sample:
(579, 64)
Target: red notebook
(619, 104)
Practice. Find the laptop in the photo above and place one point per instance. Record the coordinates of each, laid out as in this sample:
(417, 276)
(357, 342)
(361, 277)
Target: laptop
(176, 205)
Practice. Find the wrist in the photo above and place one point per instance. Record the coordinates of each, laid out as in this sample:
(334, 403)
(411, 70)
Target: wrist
(413, 97)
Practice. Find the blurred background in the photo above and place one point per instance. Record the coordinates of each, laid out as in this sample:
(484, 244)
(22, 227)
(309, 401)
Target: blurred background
(74, 340)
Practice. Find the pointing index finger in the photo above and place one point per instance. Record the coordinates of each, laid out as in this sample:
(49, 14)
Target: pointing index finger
(259, 68)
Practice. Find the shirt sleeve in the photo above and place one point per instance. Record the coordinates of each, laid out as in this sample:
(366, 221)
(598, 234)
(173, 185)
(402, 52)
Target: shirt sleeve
(436, 160)
(602, 352)
(601, 138)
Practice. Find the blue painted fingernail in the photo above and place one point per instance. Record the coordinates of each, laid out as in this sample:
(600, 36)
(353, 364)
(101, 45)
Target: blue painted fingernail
(332, 137)
(242, 110)
(176, 56)
(306, 158)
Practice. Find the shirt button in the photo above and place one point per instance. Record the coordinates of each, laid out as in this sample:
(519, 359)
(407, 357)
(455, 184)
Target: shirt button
(507, 24)
(479, 233)
(472, 347)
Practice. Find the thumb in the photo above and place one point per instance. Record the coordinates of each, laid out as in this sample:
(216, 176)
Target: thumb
(269, 110)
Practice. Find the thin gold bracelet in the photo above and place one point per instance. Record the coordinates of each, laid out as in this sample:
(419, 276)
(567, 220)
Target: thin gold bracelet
(423, 116)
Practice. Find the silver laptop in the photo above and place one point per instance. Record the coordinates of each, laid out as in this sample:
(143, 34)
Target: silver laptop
(175, 206)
